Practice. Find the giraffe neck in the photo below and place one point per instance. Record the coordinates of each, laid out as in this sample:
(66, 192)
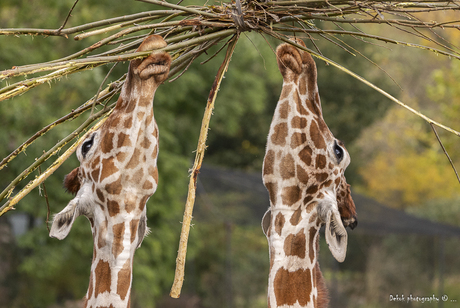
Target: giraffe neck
(295, 279)
(131, 137)
(293, 260)
(111, 268)
(117, 175)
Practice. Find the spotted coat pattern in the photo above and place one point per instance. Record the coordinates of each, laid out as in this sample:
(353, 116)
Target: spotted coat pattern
(303, 172)
(117, 175)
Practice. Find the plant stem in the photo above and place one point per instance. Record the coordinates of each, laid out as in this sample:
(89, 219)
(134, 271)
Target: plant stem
(181, 256)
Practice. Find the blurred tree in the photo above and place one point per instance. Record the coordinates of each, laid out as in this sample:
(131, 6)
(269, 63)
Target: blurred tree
(404, 164)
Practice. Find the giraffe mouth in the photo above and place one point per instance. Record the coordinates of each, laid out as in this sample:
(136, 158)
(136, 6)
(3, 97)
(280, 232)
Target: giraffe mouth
(154, 65)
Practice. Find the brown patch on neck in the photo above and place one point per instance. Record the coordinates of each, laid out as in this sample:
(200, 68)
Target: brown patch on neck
(303, 85)
(102, 234)
(317, 136)
(285, 91)
(124, 280)
(272, 191)
(299, 122)
(287, 167)
(321, 161)
(123, 140)
(296, 217)
(133, 226)
(279, 223)
(108, 168)
(114, 188)
(297, 139)
(269, 162)
(118, 234)
(298, 102)
(311, 241)
(305, 155)
(103, 277)
(135, 159)
(290, 287)
(147, 185)
(291, 195)
(154, 174)
(128, 123)
(284, 109)
(143, 202)
(295, 244)
(279, 134)
(302, 175)
(113, 207)
(107, 142)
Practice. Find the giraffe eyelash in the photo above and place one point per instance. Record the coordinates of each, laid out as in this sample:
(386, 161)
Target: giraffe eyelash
(86, 146)
(338, 152)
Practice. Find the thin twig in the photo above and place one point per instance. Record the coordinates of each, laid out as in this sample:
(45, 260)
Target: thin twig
(47, 201)
(181, 256)
(444, 150)
(182, 8)
(66, 19)
(100, 88)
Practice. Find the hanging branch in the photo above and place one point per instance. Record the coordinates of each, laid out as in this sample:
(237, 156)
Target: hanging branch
(181, 255)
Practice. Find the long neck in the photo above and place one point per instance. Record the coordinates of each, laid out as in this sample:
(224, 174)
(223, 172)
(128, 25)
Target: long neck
(293, 258)
(111, 269)
(133, 114)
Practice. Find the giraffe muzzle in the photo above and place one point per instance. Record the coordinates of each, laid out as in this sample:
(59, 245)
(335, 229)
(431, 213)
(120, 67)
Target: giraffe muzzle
(350, 222)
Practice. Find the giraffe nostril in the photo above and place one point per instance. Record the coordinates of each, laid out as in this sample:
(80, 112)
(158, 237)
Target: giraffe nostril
(354, 223)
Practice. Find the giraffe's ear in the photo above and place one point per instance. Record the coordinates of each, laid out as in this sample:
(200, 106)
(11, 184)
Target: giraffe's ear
(63, 221)
(72, 181)
(142, 230)
(336, 235)
(266, 221)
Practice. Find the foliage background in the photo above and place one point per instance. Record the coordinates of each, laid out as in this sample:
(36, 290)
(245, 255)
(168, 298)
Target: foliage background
(395, 159)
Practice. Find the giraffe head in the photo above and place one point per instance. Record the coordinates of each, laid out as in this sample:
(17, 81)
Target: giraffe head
(306, 150)
(117, 172)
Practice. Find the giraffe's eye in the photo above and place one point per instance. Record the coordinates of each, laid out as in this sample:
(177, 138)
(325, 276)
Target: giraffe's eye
(338, 151)
(86, 146)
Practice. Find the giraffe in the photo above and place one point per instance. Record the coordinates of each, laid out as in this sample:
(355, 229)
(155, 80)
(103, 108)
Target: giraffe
(303, 171)
(117, 175)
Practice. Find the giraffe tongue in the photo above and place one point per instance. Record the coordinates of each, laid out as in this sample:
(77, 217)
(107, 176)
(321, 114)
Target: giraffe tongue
(336, 235)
